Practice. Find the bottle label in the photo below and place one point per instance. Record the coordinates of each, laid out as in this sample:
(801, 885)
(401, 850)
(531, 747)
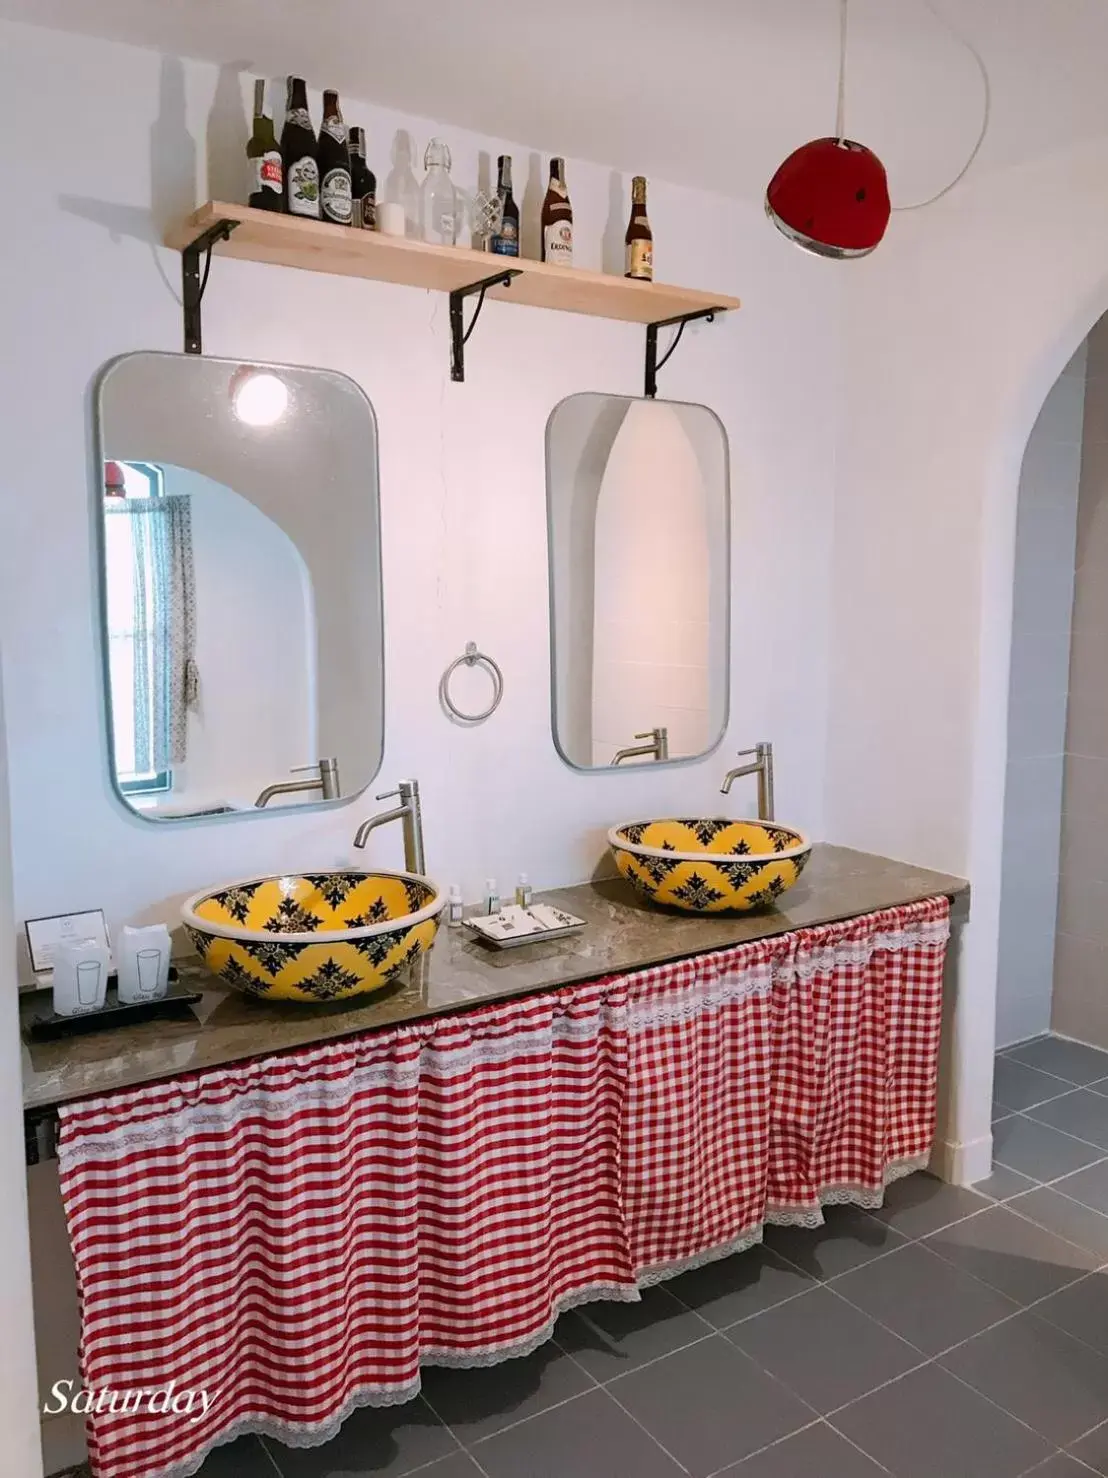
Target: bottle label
(557, 241)
(335, 128)
(268, 174)
(506, 241)
(338, 203)
(640, 259)
(366, 214)
(304, 187)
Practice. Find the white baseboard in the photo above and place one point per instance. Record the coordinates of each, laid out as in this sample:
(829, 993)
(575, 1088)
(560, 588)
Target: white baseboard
(962, 1164)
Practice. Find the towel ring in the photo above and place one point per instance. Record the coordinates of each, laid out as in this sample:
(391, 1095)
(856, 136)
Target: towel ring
(470, 658)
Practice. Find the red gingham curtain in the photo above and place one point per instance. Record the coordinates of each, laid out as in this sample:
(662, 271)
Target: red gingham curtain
(295, 1235)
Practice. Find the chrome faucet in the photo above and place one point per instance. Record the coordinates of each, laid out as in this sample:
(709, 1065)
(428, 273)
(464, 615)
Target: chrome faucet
(326, 781)
(408, 812)
(763, 768)
(658, 746)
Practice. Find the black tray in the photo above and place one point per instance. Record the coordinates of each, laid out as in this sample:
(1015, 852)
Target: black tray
(45, 1026)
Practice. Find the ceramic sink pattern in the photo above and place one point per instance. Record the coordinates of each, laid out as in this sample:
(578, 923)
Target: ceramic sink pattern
(314, 936)
(710, 865)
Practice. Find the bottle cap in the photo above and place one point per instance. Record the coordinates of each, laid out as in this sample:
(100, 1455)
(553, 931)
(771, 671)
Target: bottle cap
(455, 893)
(490, 885)
(524, 880)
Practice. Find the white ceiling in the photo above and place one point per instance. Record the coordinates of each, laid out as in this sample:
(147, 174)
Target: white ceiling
(712, 92)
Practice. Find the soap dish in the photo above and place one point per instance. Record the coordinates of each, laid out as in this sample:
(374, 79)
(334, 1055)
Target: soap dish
(514, 925)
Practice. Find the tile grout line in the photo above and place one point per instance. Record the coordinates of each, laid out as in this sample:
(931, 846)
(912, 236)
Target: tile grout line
(272, 1460)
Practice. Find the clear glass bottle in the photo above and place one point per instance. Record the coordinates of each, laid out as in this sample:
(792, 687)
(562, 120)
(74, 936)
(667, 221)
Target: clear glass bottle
(438, 197)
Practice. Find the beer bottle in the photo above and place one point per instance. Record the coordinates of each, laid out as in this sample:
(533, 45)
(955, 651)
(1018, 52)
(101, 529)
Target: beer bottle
(639, 238)
(299, 154)
(363, 184)
(335, 197)
(557, 218)
(267, 178)
(506, 240)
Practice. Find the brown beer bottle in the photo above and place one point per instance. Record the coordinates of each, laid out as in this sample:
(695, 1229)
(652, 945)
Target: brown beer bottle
(299, 154)
(267, 177)
(336, 200)
(557, 218)
(639, 238)
(363, 183)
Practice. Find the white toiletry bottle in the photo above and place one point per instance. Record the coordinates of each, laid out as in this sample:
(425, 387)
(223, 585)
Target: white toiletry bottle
(454, 906)
(142, 957)
(80, 977)
(492, 897)
(523, 891)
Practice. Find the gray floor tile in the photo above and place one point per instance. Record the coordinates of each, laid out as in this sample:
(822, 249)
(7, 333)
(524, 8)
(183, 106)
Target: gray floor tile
(458, 1465)
(1071, 1060)
(849, 1238)
(818, 1452)
(1060, 1466)
(709, 1405)
(929, 1425)
(476, 1403)
(1037, 1150)
(1009, 1253)
(1080, 1113)
(920, 1204)
(1017, 1086)
(735, 1287)
(588, 1438)
(244, 1458)
(1003, 1183)
(1066, 1217)
(1038, 1373)
(926, 1300)
(824, 1349)
(374, 1441)
(1093, 1450)
(609, 1339)
(1081, 1310)
(1089, 1186)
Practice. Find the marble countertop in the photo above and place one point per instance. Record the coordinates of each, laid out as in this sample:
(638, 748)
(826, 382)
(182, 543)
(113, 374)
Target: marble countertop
(623, 933)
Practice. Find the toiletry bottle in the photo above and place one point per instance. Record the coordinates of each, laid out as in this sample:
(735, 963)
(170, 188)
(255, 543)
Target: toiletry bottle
(492, 897)
(523, 891)
(454, 906)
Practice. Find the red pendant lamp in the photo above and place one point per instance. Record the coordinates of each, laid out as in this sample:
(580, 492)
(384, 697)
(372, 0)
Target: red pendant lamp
(832, 196)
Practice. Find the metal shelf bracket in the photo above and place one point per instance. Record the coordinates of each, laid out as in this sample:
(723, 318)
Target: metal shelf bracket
(193, 283)
(459, 334)
(653, 363)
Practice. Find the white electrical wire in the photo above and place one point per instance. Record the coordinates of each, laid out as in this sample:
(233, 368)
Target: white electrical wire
(840, 115)
(986, 111)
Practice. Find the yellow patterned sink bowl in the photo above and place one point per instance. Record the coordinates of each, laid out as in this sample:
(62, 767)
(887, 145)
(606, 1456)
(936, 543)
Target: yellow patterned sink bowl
(710, 866)
(317, 936)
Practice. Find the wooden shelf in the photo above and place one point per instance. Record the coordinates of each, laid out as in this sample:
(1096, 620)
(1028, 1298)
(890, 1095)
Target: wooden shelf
(265, 236)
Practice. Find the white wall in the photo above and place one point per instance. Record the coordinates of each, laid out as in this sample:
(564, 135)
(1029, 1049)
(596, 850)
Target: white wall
(255, 650)
(462, 487)
(1046, 536)
(954, 333)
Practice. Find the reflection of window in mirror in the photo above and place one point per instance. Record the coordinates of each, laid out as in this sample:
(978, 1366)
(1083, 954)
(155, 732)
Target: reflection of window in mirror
(638, 503)
(136, 595)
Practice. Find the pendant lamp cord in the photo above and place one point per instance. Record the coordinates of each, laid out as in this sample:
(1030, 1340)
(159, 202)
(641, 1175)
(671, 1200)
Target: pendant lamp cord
(985, 115)
(840, 116)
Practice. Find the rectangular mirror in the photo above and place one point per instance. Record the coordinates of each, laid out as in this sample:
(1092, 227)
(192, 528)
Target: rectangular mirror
(638, 502)
(240, 566)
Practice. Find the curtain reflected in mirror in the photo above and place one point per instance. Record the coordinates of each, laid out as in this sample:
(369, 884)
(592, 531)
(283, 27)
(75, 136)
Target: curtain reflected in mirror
(241, 593)
(638, 505)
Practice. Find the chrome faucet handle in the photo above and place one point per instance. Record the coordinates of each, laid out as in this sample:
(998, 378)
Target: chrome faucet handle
(303, 769)
(388, 795)
(649, 734)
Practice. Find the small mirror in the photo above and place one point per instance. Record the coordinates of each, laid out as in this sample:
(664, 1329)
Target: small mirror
(638, 502)
(240, 585)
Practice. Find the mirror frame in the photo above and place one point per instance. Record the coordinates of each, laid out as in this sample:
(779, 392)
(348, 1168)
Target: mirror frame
(679, 761)
(98, 551)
